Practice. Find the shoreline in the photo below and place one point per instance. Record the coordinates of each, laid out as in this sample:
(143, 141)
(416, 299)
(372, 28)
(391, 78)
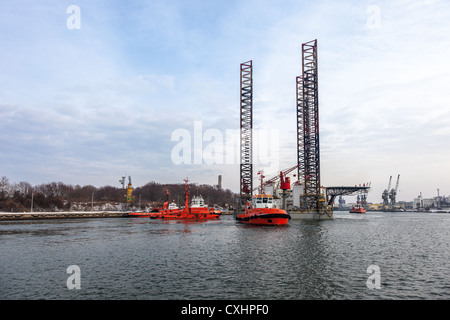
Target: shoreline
(6, 216)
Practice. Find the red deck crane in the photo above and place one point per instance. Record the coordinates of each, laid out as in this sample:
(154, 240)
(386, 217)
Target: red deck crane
(285, 181)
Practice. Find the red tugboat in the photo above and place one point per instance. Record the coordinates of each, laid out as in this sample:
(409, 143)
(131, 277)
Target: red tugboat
(263, 211)
(198, 210)
(167, 205)
(358, 209)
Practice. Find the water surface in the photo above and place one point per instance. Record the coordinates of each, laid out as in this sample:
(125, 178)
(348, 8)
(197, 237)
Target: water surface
(139, 258)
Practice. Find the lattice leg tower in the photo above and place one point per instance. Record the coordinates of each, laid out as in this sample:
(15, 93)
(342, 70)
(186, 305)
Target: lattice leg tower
(308, 124)
(246, 126)
(300, 168)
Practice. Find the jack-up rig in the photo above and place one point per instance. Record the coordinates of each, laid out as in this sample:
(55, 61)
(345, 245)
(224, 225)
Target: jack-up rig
(308, 152)
(315, 200)
(309, 198)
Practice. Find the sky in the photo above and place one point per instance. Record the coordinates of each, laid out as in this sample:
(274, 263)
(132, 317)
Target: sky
(91, 91)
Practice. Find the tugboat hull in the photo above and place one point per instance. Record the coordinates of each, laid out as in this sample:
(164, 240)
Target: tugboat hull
(139, 214)
(265, 219)
(358, 210)
(184, 216)
(280, 217)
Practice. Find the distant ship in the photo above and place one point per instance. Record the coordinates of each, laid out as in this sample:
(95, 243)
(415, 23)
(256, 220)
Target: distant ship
(197, 210)
(358, 209)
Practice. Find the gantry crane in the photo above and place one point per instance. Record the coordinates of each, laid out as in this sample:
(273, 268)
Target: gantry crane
(393, 193)
(385, 195)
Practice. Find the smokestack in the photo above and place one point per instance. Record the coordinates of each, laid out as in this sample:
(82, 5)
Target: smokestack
(219, 182)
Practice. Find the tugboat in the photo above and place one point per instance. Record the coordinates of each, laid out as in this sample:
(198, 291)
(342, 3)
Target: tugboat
(358, 208)
(198, 210)
(263, 211)
(166, 206)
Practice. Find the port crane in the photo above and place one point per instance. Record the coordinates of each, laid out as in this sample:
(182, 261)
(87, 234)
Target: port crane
(130, 197)
(393, 193)
(129, 191)
(385, 195)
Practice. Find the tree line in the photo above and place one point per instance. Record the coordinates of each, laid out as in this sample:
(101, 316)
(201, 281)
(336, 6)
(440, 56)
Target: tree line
(58, 196)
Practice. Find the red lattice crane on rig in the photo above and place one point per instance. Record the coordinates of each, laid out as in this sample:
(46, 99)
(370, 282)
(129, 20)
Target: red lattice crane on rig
(285, 183)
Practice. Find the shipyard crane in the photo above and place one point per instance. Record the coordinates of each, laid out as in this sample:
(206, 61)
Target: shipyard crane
(285, 185)
(129, 195)
(282, 176)
(385, 195)
(393, 192)
(122, 182)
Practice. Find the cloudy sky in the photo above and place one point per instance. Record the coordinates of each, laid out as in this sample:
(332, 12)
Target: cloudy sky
(94, 90)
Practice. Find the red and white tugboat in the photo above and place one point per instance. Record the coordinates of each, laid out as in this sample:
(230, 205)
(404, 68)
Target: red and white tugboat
(358, 208)
(172, 206)
(197, 211)
(263, 211)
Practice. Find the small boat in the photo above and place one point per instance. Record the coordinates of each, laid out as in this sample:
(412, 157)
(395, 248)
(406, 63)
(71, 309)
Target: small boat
(197, 211)
(358, 209)
(262, 211)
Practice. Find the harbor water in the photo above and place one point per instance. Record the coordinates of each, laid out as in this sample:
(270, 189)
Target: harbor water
(140, 258)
